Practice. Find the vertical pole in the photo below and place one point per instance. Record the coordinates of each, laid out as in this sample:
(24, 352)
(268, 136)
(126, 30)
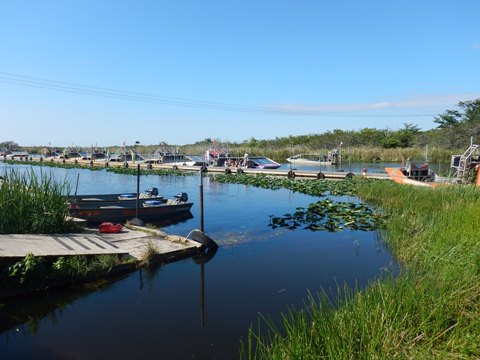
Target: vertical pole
(349, 159)
(201, 201)
(76, 186)
(138, 190)
(202, 294)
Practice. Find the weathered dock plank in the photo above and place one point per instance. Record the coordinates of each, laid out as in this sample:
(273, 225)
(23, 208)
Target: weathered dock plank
(19, 245)
(132, 242)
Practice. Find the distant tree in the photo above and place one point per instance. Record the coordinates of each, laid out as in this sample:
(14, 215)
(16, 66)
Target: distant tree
(471, 110)
(470, 113)
(370, 137)
(9, 145)
(458, 126)
(449, 118)
(406, 135)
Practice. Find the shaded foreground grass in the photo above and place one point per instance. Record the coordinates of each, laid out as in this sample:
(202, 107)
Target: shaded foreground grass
(431, 310)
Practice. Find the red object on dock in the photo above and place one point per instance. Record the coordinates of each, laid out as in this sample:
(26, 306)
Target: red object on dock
(108, 227)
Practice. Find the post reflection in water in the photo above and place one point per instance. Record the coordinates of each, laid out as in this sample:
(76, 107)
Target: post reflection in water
(201, 259)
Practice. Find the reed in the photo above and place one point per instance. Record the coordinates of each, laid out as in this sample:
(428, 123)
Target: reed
(31, 203)
(429, 311)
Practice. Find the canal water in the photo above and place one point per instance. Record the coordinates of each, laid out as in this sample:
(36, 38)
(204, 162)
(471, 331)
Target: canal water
(186, 310)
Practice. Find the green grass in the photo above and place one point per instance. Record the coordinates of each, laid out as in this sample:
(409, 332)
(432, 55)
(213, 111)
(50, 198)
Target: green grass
(32, 203)
(34, 273)
(431, 310)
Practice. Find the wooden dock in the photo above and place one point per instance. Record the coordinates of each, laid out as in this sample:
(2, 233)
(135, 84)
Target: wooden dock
(305, 174)
(128, 242)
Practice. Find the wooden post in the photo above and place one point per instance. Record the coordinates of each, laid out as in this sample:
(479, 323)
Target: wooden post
(138, 190)
(201, 201)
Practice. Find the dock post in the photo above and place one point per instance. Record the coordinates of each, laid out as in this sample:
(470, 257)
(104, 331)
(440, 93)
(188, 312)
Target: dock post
(136, 220)
(201, 201)
(138, 190)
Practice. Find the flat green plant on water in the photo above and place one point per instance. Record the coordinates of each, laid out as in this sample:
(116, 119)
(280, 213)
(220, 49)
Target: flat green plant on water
(32, 203)
(52, 164)
(431, 310)
(310, 187)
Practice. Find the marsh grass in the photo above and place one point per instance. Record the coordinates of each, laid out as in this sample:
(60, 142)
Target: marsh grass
(33, 273)
(31, 203)
(151, 251)
(430, 311)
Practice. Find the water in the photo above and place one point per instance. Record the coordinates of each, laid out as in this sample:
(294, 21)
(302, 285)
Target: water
(173, 312)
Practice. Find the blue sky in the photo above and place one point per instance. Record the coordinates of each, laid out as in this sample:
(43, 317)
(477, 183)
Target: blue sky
(104, 72)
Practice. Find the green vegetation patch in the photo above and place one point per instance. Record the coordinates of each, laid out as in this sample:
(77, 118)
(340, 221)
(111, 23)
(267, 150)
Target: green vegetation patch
(309, 187)
(36, 273)
(53, 164)
(33, 204)
(327, 215)
(133, 171)
(431, 310)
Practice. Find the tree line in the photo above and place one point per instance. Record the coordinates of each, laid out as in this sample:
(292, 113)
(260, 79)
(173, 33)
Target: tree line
(454, 130)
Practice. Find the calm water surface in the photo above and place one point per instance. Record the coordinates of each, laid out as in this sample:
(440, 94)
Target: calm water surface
(173, 312)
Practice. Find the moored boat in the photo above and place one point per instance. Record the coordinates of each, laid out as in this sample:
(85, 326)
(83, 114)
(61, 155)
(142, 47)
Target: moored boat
(122, 211)
(314, 159)
(413, 174)
(333, 157)
(116, 199)
(167, 158)
(246, 161)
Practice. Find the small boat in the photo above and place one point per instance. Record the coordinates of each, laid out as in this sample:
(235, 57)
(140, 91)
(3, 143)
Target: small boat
(51, 153)
(149, 196)
(168, 158)
(413, 174)
(314, 159)
(332, 157)
(16, 154)
(251, 162)
(122, 211)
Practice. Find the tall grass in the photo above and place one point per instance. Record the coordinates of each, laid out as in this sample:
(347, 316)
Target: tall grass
(31, 203)
(432, 310)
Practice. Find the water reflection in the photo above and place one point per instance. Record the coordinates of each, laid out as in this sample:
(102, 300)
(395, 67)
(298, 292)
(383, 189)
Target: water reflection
(201, 259)
(30, 312)
(255, 270)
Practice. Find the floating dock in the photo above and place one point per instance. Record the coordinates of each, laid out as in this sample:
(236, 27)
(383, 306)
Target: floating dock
(306, 174)
(134, 243)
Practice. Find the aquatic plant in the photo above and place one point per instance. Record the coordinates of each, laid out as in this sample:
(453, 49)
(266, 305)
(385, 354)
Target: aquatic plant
(31, 203)
(330, 216)
(309, 187)
(133, 171)
(429, 311)
(53, 164)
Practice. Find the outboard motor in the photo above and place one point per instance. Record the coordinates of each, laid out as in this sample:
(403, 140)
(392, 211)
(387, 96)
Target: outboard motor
(153, 191)
(183, 197)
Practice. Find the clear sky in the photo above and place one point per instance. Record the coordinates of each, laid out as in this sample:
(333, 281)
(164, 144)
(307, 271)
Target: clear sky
(89, 72)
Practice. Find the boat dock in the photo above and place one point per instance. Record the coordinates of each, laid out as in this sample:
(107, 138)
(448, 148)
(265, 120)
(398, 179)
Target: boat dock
(134, 243)
(292, 174)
